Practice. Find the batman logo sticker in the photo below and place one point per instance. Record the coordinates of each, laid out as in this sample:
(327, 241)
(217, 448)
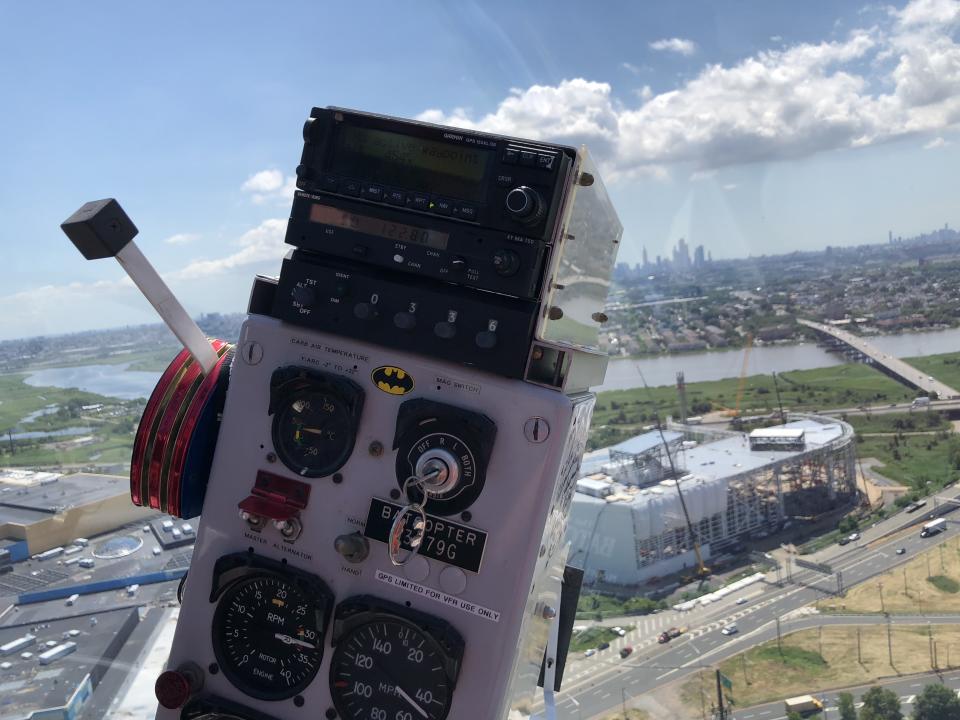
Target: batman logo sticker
(392, 380)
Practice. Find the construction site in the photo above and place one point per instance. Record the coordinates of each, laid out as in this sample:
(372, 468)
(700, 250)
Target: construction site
(666, 502)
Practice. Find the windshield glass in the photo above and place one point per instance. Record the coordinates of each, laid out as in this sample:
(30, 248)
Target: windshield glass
(762, 515)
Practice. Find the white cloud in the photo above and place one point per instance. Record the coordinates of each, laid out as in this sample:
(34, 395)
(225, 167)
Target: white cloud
(730, 186)
(635, 69)
(181, 238)
(937, 142)
(676, 45)
(780, 103)
(264, 242)
(263, 182)
(270, 186)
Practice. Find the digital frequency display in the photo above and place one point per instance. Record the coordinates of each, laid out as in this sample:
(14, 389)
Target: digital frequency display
(410, 162)
(326, 215)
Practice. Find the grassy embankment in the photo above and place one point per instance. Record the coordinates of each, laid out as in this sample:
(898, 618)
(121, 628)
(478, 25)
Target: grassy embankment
(594, 636)
(816, 659)
(622, 413)
(929, 583)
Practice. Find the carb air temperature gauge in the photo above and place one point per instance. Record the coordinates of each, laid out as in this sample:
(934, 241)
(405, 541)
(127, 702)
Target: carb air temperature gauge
(269, 625)
(450, 444)
(315, 418)
(392, 662)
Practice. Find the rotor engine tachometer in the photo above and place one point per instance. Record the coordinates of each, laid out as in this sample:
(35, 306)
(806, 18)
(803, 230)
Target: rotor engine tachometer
(269, 625)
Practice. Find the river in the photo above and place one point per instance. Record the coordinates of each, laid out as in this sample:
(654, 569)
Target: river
(624, 373)
(110, 380)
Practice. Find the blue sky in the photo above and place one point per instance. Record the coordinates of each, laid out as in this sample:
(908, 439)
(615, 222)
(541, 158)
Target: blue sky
(748, 127)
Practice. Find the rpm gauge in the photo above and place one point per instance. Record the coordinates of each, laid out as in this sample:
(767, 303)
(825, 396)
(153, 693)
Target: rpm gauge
(389, 668)
(268, 633)
(315, 418)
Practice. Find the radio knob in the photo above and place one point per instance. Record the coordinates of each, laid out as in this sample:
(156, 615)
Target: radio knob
(303, 294)
(525, 204)
(506, 262)
(365, 311)
(486, 340)
(405, 321)
(445, 330)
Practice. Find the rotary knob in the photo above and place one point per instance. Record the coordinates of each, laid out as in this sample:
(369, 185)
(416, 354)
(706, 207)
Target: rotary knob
(303, 295)
(525, 205)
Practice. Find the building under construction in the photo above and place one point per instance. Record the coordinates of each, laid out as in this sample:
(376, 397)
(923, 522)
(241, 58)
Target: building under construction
(628, 523)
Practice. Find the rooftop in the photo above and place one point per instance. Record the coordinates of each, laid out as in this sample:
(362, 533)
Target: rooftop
(26, 685)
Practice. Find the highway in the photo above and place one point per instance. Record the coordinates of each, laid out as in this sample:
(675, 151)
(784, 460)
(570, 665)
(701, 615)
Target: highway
(599, 684)
(907, 373)
(906, 689)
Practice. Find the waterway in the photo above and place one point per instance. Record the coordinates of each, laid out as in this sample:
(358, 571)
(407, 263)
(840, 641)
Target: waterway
(622, 373)
(110, 380)
(625, 373)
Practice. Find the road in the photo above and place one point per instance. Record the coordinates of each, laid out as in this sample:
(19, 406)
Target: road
(907, 373)
(906, 689)
(598, 684)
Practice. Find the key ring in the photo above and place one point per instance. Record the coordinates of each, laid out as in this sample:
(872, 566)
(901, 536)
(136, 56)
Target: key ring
(394, 545)
(395, 540)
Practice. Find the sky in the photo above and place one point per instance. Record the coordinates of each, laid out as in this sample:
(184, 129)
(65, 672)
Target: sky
(751, 128)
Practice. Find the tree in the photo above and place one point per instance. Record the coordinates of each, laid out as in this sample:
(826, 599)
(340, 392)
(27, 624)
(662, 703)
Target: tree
(936, 702)
(880, 704)
(845, 706)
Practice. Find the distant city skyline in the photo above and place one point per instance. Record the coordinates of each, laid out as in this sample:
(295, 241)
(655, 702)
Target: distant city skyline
(747, 130)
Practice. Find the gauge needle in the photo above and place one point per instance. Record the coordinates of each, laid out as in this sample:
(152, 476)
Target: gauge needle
(293, 641)
(410, 700)
(313, 431)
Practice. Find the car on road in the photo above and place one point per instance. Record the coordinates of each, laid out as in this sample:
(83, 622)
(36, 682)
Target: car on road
(854, 536)
(625, 651)
(603, 646)
(901, 551)
(620, 631)
(664, 637)
(843, 541)
(741, 601)
(675, 632)
(590, 653)
(730, 629)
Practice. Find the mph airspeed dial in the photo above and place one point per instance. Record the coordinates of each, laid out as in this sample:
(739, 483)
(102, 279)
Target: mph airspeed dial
(392, 663)
(269, 626)
(450, 446)
(315, 418)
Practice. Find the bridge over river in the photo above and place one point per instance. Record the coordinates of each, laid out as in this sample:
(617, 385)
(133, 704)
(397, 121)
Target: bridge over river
(895, 367)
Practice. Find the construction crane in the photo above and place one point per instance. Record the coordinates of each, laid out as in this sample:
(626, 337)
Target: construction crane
(741, 386)
(702, 571)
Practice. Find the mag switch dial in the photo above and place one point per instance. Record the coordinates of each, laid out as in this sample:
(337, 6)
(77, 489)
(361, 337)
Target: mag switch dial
(449, 446)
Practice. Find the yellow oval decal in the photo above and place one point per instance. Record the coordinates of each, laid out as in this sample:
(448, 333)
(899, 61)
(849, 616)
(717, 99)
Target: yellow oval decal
(392, 380)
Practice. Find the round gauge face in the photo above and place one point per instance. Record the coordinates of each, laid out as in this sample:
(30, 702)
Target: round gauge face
(389, 669)
(268, 636)
(313, 432)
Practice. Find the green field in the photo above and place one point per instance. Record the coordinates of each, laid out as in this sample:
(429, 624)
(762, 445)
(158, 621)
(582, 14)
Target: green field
(112, 429)
(924, 462)
(17, 399)
(945, 367)
(622, 413)
(906, 422)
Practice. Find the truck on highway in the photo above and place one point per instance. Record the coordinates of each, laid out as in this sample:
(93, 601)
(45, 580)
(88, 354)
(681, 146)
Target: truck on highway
(920, 402)
(933, 527)
(803, 704)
